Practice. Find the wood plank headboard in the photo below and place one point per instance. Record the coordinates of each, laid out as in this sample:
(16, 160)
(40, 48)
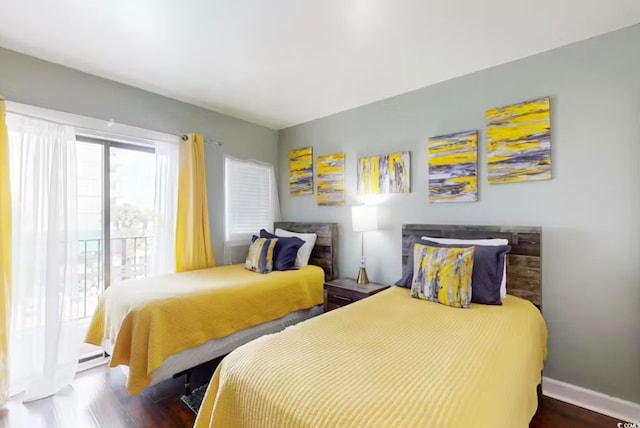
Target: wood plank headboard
(325, 252)
(524, 262)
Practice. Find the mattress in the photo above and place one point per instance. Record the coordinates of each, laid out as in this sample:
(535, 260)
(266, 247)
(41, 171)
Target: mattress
(151, 319)
(218, 347)
(387, 361)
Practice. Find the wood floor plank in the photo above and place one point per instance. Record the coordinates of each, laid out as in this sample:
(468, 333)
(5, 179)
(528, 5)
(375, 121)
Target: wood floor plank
(183, 416)
(98, 399)
(554, 413)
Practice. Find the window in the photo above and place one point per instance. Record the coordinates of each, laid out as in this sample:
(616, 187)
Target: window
(251, 198)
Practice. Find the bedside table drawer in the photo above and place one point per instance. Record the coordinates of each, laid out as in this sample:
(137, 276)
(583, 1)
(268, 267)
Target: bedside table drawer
(336, 299)
(343, 292)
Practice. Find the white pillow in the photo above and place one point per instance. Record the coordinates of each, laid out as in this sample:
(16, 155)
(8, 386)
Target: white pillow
(302, 259)
(486, 242)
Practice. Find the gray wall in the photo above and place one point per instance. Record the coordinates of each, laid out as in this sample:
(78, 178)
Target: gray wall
(589, 212)
(28, 80)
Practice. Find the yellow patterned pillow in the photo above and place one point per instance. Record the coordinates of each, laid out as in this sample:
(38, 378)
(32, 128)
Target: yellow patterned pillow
(260, 255)
(443, 275)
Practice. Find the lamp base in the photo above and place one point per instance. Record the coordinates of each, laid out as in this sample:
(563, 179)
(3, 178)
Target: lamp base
(363, 279)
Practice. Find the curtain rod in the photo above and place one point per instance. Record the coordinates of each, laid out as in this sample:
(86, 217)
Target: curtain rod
(184, 137)
(83, 130)
(31, 116)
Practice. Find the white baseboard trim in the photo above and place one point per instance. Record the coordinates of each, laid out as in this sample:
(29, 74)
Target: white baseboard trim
(607, 405)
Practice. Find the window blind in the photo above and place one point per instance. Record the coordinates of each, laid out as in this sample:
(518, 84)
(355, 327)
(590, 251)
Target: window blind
(250, 198)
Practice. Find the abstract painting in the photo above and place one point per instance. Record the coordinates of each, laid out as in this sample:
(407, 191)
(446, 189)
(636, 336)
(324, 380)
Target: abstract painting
(301, 171)
(453, 167)
(385, 174)
(519, 142)
(331, 179)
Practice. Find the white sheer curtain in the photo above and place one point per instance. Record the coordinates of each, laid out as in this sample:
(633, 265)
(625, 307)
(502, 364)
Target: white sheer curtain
(165, 207)
(45, 337)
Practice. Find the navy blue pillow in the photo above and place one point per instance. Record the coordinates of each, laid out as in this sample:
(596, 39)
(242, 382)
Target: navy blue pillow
(488, 268)
(407, 275)
(285, 252)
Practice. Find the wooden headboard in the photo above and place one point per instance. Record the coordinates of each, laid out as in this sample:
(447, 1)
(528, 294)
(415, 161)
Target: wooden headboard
(524, 262)
(325, 252)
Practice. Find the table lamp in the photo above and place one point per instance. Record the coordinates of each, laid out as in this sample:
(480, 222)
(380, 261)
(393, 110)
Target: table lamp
(364, 218)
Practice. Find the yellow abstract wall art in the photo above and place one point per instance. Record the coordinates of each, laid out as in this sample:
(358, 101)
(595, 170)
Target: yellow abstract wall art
(453, 167)
(331, 179)
(385, 174)
(519, 142)
(301, 171)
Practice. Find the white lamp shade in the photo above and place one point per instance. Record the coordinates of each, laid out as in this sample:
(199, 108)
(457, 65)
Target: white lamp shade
(364, 218)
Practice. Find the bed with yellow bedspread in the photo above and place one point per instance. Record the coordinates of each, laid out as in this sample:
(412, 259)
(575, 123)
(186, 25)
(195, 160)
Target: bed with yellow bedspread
(387, 361)
(151, 319)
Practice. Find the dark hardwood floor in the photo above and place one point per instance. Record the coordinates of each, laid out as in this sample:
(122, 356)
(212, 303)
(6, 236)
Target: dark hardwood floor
(98, 399)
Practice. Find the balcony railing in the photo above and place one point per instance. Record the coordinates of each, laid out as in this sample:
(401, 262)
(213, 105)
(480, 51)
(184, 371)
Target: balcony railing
(130, 258)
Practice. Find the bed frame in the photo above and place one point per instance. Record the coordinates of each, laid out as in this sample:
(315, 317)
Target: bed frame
(524, 261)
(324, 255)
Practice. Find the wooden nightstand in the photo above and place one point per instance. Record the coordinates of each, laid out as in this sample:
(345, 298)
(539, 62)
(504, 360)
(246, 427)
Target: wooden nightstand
(341, 292)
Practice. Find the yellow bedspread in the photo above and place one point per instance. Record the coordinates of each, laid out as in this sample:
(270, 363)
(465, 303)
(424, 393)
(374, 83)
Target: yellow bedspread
(386, 361)
(150, 319)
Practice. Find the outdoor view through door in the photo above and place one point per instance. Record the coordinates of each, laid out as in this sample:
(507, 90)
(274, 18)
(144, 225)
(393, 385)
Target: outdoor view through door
(116, 185)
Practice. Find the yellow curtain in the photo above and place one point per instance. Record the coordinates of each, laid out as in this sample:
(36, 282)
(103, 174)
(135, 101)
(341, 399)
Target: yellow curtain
(5, 258)
(193, 239)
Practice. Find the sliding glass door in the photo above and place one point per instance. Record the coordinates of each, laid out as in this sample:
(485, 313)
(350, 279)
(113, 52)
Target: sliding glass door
(132, 185)
(90, 229)
(116, 185)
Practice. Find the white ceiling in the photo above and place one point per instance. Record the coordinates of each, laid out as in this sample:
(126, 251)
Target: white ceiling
(284, 62)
